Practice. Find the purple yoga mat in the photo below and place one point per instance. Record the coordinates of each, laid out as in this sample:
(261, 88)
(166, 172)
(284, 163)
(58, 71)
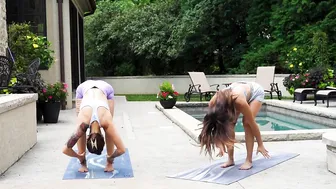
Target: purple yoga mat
(213, 173)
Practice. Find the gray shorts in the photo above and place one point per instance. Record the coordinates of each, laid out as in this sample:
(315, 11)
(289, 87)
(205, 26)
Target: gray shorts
(257, 92)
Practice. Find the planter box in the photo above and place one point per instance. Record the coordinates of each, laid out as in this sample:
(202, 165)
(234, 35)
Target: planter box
(20, 133)
(301, 96)
(51, 111)
(39, 112)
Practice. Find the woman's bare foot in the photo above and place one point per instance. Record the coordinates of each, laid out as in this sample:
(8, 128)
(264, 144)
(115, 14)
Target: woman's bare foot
(83, 169)
(82, 161)
(109, 167)
(246, 166)
(228, 164)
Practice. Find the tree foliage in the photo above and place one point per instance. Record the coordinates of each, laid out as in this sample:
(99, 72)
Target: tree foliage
(162, 37)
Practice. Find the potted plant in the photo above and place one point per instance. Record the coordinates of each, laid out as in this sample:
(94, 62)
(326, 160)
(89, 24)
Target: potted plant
(26, 46)
(51, 98)
(40, 46)
(167, 95)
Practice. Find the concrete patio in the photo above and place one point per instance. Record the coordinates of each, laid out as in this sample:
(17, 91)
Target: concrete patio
(159, 148)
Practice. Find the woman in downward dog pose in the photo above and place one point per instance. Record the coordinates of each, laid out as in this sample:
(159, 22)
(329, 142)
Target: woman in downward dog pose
(95, 109)
(220, 120)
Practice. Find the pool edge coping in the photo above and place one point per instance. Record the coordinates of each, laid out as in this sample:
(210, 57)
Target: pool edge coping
(190, 126)
(277, 103)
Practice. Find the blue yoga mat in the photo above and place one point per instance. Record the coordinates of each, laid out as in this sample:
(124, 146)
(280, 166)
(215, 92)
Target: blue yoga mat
(213, 173)
(96, 164)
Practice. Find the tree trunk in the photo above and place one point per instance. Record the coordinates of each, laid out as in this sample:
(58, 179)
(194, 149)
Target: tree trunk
(221, 63)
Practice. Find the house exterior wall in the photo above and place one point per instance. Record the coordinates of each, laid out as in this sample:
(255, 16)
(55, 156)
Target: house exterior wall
(67, 49)
(3, 28)
(54, 74)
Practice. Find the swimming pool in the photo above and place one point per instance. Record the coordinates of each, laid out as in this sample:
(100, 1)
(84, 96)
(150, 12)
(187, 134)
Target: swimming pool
(267, 120)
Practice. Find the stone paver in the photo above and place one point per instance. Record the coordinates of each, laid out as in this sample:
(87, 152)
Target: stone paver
(159, 148)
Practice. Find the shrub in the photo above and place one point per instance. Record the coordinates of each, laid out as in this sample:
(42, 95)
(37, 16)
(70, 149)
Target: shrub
(298, 60)
(294, 81)
(27, 46)
(167, 91)
(317, 77)
(321, 77)
(12, 82)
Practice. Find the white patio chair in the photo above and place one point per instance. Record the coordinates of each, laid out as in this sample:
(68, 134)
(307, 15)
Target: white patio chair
(200, 86)
(265, 77)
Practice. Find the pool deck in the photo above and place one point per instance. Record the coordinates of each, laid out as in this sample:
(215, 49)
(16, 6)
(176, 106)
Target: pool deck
(159, 148)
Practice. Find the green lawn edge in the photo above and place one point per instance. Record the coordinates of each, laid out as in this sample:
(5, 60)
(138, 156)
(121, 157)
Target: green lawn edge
(194, 98)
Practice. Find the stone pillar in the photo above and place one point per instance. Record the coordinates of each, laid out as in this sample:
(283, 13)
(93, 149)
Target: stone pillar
(329, 139)
(3, 28)
(67, 53)
(53, 74)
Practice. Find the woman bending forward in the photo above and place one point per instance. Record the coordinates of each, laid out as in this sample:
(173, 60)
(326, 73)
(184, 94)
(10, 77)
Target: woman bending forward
(95, 108)
(220, 120)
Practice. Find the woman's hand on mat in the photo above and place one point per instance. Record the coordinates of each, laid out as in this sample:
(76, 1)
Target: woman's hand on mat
(221, 151)
(263, 151)
(220, 154)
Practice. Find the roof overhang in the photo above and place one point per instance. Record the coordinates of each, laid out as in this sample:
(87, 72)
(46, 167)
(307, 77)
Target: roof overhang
(85, 7)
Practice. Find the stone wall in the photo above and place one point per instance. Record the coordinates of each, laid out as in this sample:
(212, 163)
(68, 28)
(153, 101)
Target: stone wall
(3, 28)
(150, 84)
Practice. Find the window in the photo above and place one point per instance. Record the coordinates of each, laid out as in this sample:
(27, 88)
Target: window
(33, 11)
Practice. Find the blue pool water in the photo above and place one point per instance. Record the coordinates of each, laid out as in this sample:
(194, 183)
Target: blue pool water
(269, 121)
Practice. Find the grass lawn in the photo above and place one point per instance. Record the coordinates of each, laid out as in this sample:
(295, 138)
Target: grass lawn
(152, 97)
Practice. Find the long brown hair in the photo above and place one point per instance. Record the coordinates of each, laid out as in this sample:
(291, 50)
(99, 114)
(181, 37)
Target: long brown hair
(217, 127)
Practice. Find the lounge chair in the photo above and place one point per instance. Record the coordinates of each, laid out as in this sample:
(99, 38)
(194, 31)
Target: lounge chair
(200, 86)
(325, 94)
(301, 93)
(265, 77)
